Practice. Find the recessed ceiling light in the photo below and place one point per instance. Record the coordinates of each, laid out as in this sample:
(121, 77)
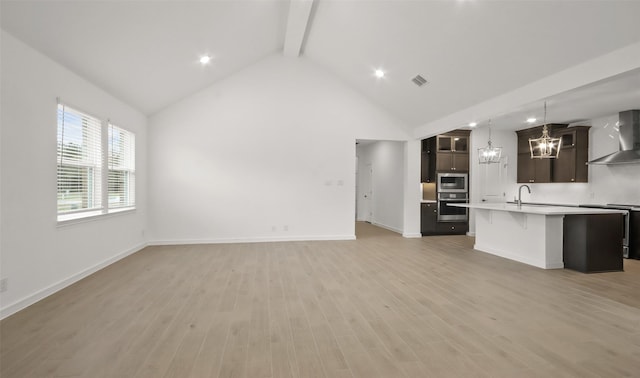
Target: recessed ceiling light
(205, 59)
(473, 124)
(531, 120)
(379, 73)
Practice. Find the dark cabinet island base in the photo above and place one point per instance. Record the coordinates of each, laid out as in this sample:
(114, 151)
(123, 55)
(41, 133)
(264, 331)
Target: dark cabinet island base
(593, 242)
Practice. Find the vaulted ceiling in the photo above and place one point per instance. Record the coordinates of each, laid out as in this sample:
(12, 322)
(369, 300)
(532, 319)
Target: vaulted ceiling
(146, 52)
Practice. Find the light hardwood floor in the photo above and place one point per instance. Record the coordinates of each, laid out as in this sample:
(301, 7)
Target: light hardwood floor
(381, 306)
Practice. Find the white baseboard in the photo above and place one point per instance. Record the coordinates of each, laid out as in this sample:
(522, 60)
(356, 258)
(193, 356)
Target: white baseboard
(412, 235)
(251, 240)
(39, 295)
(471, 233)
(390, 228)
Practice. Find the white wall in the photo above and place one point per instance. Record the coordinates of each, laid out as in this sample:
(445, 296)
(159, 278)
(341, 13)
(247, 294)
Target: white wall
(492, 182)
(38, 257)
(387, 203)
(267, 154)
(412, 188)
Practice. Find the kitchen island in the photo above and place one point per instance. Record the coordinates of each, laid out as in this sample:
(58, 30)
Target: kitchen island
(533, 234)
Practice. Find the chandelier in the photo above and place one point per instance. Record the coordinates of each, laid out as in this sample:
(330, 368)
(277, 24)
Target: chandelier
(489, 154)
(544, 147)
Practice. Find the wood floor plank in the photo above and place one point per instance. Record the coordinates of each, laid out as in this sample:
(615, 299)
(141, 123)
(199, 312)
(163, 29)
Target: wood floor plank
(379, 306)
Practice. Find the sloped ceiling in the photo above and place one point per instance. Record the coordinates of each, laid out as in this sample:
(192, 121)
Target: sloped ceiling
(468, 51)
(146, 52)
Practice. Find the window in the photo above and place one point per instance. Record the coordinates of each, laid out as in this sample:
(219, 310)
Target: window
(79, 161)
(90, 183)
(122, 171)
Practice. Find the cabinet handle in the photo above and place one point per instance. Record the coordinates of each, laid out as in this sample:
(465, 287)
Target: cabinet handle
(530, 180)
(573, 179)
(435, 211)
(453, 227)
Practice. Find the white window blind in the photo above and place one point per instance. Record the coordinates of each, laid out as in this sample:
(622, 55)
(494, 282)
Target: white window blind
(122, 168)
(80, 161)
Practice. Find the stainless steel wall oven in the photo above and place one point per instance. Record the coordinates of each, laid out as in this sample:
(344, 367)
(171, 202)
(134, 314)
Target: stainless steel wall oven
(448, 213)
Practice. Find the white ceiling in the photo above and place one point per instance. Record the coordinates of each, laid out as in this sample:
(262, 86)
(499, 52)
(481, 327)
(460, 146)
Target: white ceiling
(146, 52)
(578, 106)
(469, 51)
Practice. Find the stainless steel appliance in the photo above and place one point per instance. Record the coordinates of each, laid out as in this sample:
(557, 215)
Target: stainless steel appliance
(448, 213)
(631, 240)
(453, 182)
(629, 133)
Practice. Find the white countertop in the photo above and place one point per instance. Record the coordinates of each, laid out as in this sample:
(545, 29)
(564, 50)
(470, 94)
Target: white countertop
(537, 209)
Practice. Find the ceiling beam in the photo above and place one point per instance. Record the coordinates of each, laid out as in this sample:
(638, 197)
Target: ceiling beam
(297, 23)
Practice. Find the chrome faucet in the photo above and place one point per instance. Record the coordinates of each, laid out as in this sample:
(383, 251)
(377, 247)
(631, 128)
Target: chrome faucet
(519, 200)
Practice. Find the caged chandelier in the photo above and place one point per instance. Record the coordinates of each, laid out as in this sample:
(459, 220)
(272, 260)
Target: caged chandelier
(489, 154)
(544, 147)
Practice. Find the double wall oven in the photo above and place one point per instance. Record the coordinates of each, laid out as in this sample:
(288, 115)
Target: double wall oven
(452, 188)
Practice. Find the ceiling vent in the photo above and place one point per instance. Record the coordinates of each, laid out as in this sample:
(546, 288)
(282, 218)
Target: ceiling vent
(419, 80)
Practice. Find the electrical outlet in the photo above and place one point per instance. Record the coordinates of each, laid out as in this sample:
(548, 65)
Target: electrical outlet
(285, 228)
(274, 228)
(4, 284)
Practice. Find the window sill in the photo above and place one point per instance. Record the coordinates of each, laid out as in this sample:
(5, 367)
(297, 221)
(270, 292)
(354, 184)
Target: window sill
(70, 219)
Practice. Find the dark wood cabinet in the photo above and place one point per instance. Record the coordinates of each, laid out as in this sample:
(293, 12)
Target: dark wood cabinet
(535, 132)
(428, 161)
(571, 164)
(452, 228)
(453, 162)
(447, 152)
(428, 218)
(592, 242)
(453, 151)
(454, 141)
(533, 170)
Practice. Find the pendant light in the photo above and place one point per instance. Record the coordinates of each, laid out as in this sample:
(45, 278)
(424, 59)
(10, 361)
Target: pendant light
(489, 154)
(545, 147)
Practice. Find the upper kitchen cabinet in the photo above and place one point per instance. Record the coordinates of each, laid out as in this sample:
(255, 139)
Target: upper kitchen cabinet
(571, 164)
(531, 170)
(454, 141)
(452, 162)
(453, 151)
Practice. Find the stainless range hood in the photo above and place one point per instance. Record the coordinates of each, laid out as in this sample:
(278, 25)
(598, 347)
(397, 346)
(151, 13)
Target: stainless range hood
(629, 126)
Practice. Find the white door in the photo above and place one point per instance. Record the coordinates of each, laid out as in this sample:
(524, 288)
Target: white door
(366, 192)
